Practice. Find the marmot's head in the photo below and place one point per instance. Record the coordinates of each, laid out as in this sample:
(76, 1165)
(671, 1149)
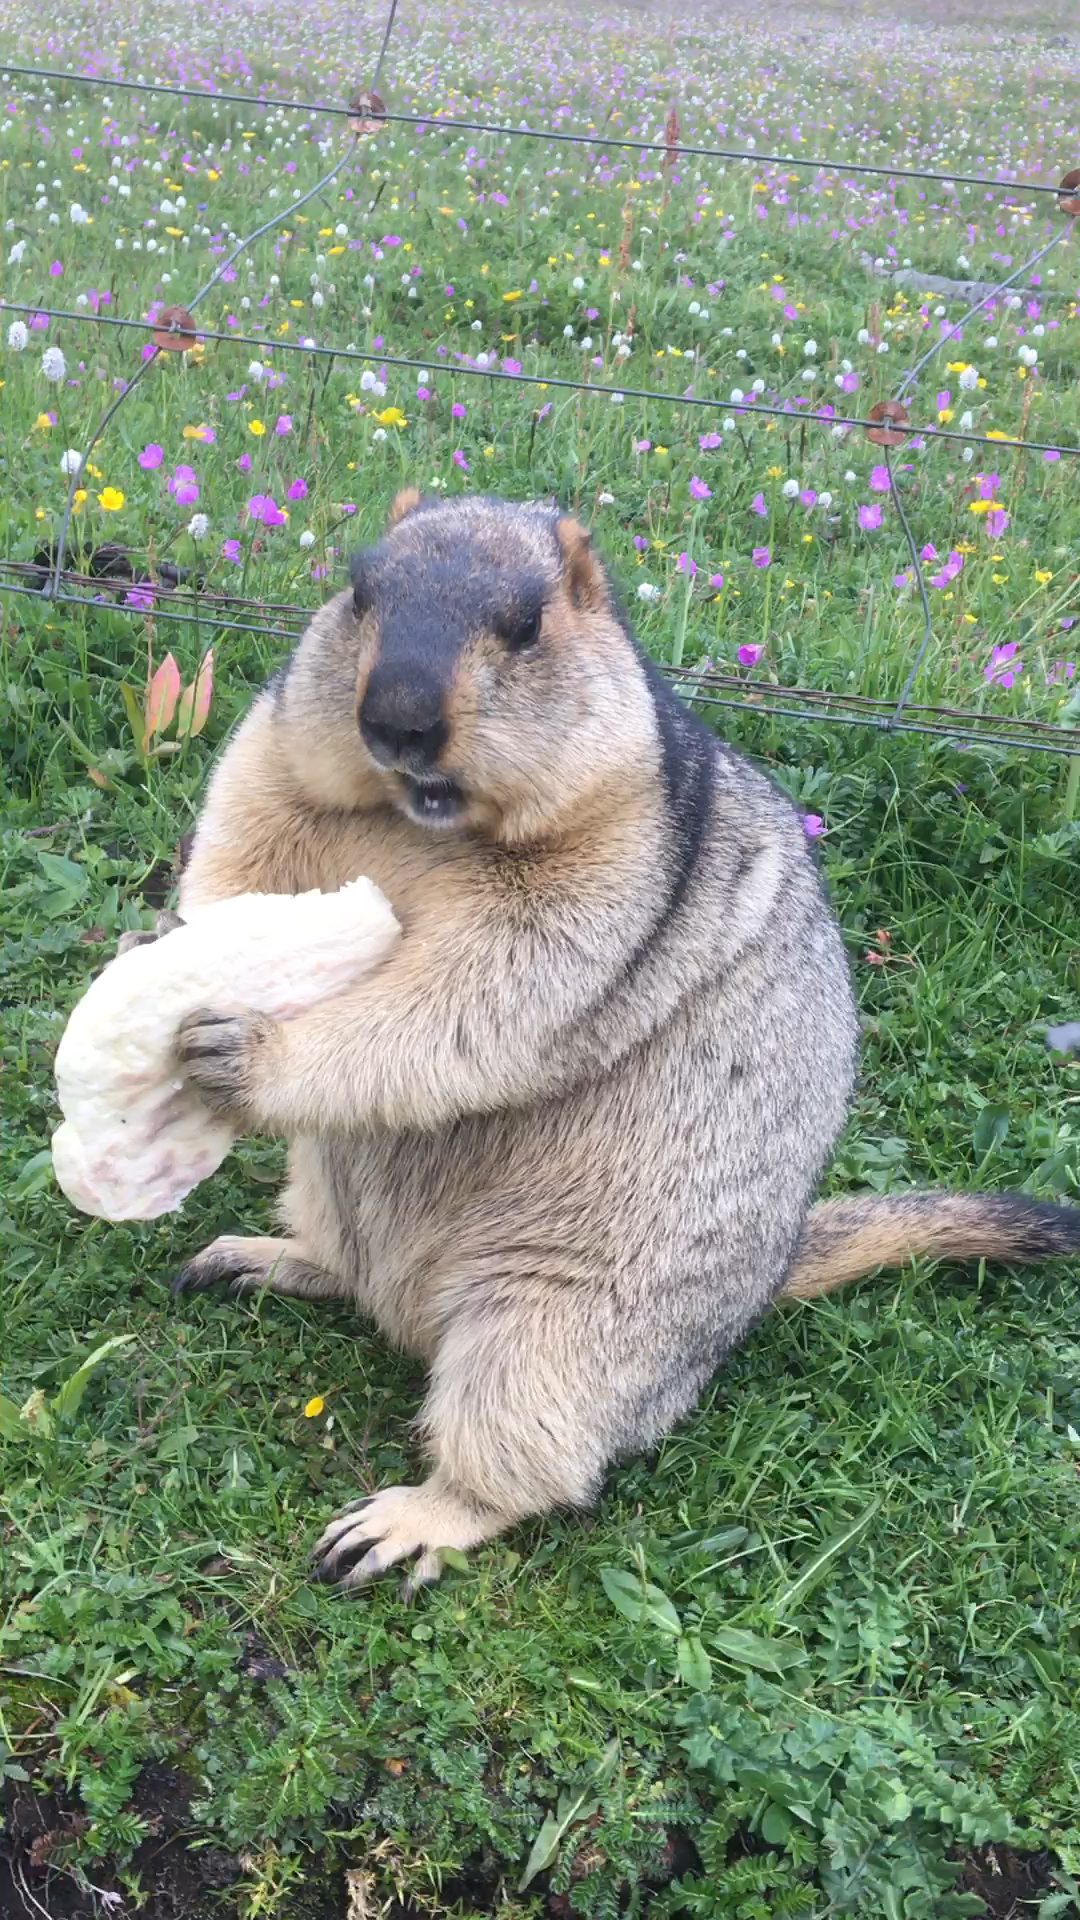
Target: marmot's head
(477, 677)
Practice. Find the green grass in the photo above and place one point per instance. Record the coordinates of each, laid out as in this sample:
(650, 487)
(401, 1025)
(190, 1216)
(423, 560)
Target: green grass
(829, 1637)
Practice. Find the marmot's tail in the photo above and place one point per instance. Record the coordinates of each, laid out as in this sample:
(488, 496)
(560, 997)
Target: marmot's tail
(848, 1237)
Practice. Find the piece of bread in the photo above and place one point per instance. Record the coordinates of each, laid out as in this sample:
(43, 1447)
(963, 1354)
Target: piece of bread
(136, 1138)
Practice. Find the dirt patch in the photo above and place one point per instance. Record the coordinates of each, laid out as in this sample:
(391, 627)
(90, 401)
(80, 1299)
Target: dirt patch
(1010, 1883)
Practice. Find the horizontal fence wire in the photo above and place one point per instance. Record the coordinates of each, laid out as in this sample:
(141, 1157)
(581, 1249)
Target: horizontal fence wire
(746, 408)
(285, 621)
(437, 122)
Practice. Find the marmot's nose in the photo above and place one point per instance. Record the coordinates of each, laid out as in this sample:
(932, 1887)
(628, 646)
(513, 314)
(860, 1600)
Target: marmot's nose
(401, 719)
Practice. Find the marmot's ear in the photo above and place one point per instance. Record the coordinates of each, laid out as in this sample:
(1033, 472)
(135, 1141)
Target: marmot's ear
(361, 581)
(582, 571)
(409, 500)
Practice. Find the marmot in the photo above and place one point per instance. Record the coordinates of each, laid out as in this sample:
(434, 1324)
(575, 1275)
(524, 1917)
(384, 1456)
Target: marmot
(564, 1141)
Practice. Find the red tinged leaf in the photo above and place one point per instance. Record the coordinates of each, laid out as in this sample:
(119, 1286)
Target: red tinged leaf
(195, 700)
(162, 695)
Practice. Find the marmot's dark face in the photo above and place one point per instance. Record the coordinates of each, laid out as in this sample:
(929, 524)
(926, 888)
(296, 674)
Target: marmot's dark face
(489, 665)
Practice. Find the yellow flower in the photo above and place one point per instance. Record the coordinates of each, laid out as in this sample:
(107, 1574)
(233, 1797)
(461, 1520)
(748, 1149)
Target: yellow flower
(1043, 575)
(446, 209)
(971, 618)
(111, 499)
(212, 173)
(995, 433)
(79, 499)
(201, 432)
(43, 422)
(945, 414)
(513, 296)
(774, 473)
(957, 366)
(177, 233)
(489, 453)
(999, 579)
(391, 417)
(985, 506)
(256, 427)
(314, 1406)
(95, 472)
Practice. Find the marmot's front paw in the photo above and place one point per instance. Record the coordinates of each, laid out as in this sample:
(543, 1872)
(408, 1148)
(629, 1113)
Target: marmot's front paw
(217, 1052)
(166, 922)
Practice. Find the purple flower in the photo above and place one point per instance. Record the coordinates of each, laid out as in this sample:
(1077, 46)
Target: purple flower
(849, 382)
(642, 446)
(511, 366)
(686, 565)
(698, 489)
(264, 508)
(244, 463)
(1051, 454)
(986, 485)
(459, 460)
(641, 543)
(1003, 665)
(879, 480)
(949, 571)
(184, 486)
(298, 490)
(283, 423)
(757, 505)
(716, 580)
(708, 441)
(870, 517)
(231, 551)
(808, 497)
(813, 826)
(457, 411)
(903, 579)
(761, 556)
(929, 552)
(141, 598)
(996, 522)
(151, 456)
(749, 655)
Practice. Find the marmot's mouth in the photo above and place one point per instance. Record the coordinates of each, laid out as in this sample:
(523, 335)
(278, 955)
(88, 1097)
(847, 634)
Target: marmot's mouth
(434, 801)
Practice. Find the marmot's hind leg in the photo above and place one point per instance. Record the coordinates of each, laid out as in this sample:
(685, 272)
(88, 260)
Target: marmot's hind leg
(249, 1265)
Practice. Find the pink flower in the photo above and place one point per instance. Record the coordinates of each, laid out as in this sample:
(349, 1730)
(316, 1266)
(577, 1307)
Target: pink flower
(708, 441)
(849, 382)
(686, 565)
(184, 486)
(986, 485)
(642, 446)
(263, 507)
(996, 522)
(698, 489)
(870, 517)
(947, 573)
(641, 543)
(457, 410)
(151, 456)
(813, 826)
(749, 655)
(298, 490)
(244, 463)
(283, 423)
(903, 579)
(716, 580)
(761, 556)
(757, 505)
(879, 480)
(1003, 666)
(460, 460)
(231, 551)
(140, 597)
(929, 552)
(808, 497)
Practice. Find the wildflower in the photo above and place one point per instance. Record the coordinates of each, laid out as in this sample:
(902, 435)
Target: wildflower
(264, 508)
(602, 499)
(996, 522)
(813, 826)
(648, 592)
(807, 497)
(201, 432)
(757, 505)
(749, 655)
(44, 421)
(1043, 575)
(110, 499)
(716, 580)
(761, 556)
(283, 423)
(18, 336)
(257, 428)
(257, 372)
(198, 526)
(1003, 666)
(314, 1407)
(184, 486)
(810, 349)
(698, 489)
(53, 364)
(230, 550)
(870, 517)
(391, 417)
(879, 480)
(71, 461)
(151, 456)
(685, 564)
(15, 254)
(307, 538)
(298, 490)
(459, 460)
(707, 442)
(1027, 356)
(947, 574)
(903, 579)
(512, 296)
(790, 489)
(141, 598)
(641, 543)
(457, 411)
(969, 378)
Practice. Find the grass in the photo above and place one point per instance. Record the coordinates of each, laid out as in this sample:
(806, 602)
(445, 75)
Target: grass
(821, 1653)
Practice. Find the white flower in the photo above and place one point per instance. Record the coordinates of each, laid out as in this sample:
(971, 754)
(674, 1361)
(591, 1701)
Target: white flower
(824, 499)
(778, 339)
(790, 489)
(367, 381)
(1038, 330)
(18, 336)
(477, 326)
(586, 343)
(740, 353)
(481, 359)
(991, 340)
(967, 421)
(318, 299)
(379, 389)
(967, 453)
(605, 499)
(617, 399)
(758, 386)
(53, 364)
(810, 349)
(257, 372)
(969, 379)
(341, 230)
(938, 311)
(727, 424)
(79, 216)
(850, 478)
(578, 283)
(307, 538)
(622, 351)
(568, 333)
(16, 252)
(648, 592)
(198, 526)
(379, 433)
(845, 366)
(1027, 356)
(883, 346)
(636, 266)
(863, 336)
(71, 461)
(694, 307)
(737, 396)
(422, 376)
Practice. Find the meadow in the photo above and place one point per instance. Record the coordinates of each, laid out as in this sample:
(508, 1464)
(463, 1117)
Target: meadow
(821, 1654)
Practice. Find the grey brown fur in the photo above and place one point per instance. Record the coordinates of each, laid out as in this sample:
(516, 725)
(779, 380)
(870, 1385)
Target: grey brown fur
(562, 1144)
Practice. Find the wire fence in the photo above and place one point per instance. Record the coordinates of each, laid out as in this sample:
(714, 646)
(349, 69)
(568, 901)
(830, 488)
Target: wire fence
(119, 585)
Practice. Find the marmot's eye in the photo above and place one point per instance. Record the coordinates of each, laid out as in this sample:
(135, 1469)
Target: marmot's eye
(521, 630)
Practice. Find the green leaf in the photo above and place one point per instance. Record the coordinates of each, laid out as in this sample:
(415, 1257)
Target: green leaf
(751, 1650)
(174, 1445)
(453, 1557)
(66, 1403)
(700, 1540)
(134, 716)
(35, 1174)
(68, 883)
(659, 1610)
(12, 1424)
(624, 1591)
(575, 1805)
(820, 1562)
(776, 1824)
(695, 1667)
(991, 1129)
